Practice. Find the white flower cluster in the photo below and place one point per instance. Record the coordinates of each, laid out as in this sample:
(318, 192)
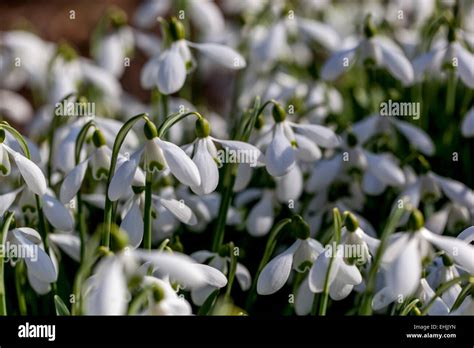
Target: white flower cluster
(289, 180)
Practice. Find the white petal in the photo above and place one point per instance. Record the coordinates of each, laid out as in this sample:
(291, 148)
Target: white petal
(149, 73)
(382, 299)
(304, 299)
(180, 210)
(7, 199)
(339, 290)
(243, 277)
(207, 169)
(456, 191)
(290, 186)
(261, 217)
(319, 32)
(397, 63)
(383, 167)
(371, 185)
(109, 293)
(280, 156)
(321, 135)
(307, 150)
(275, 274)
(465, 64)
(171, 72)
(69, 243)
(57, 214)
(317, 274)
(467, 127)
(324, 173)
(459, 250)
(31, 173)
(403, 275)
(416, 136)
(221, 54)
(72, 182)
(337, 63)
(438, 307)
(5, 166)
(213, 276)
(40, 265)
(133, 225)
(181, 166)
(123, 177)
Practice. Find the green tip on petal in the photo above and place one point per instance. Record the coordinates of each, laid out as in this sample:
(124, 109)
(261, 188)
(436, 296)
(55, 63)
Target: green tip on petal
(278, 112)
(158, 293)
(150, 130)
(67, 52)
(447, 261)
(203, 129)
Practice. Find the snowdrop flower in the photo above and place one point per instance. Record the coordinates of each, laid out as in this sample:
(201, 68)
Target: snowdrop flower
(451, 216)
(164, 300)
(426, 294)
(378, 50)
(29, 171)
(276, 273)
(14, 107)
(286, 145)
(467, 128)
(444, 271)
(261, 216)
(41, 269)
(112, 48)
(204, 14)
(206, 156)
(168, 70)
(99, 163)
(222, 263)
(402, 260)
(451, 54)
(159, 155)
(106, 291)
(132, 220)
(376, 124)
(65, 139)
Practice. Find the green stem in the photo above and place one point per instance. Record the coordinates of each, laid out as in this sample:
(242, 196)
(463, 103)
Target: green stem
(444, 288)
(232, 269)
(394, 218)
(8, 217)
(81, 137)
(270, 247)
(147, 212)
(409, 307)
(113, 162)
(19, 284)
(451, 93)
(323, 303)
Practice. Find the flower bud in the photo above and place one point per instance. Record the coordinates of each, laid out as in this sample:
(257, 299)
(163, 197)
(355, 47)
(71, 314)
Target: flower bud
(98, 138)
(369, 27)
(119, 238)
(278, 112)
(299, 227)
(351, 222)
(150, 130)
(158, 293)
(176, 29)
(67, 52)
(416, 220)
(203, 129)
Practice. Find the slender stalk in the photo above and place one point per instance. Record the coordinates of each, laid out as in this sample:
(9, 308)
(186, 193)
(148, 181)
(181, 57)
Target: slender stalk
(147, 212)
(113, 162)
(451, 93)
(232, 269)
(409, 307)
(444, 288)
(269, 248)
(323, 303)
(394, 218)
(8, 217)
(19, 283)
(80, 212)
